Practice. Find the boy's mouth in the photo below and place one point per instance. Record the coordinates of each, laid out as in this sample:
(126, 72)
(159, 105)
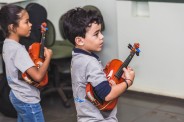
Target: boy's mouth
(101, 44)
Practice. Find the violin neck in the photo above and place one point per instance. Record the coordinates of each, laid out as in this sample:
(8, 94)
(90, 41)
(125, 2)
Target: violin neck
(125, 64)
(42, 45)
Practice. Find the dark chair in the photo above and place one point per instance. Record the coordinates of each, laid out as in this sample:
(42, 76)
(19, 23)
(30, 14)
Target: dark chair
(50, 34)
(61, 59)
(59, 72)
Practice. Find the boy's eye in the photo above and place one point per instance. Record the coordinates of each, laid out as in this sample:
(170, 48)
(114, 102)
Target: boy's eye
(96, 34)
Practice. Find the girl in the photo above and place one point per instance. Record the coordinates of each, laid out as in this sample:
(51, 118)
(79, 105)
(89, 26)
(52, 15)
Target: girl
(14, 22)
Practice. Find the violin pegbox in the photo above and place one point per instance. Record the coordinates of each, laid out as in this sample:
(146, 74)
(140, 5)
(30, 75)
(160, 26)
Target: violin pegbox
(44, 27)
(134, 48)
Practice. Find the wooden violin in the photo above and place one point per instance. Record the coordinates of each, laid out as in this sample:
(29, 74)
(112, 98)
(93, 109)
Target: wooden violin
(36, 52)
(113, 71)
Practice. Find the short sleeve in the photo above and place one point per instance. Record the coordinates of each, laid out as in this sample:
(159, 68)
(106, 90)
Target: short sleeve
(22, 60)
(94, 73)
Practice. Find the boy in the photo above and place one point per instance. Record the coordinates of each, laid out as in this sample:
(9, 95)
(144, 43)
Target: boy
(83, 29)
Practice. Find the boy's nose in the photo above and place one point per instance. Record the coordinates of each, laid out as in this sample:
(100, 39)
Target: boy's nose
(102, 36)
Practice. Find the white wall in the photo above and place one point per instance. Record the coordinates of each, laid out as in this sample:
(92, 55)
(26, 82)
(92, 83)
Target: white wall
(56, 8)
(159, 69)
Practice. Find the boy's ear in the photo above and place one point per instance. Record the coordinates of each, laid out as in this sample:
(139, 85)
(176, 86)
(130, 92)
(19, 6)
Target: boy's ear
(79, 41)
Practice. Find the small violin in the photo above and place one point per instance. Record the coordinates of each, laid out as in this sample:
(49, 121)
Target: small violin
(113, 71)
(36, 52)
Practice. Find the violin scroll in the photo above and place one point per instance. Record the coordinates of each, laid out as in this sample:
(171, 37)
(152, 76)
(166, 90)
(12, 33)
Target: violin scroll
(44, 27)
(135, 48)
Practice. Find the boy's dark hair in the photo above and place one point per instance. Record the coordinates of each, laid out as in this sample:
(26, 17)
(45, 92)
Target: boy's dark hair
(76, 21)
(9, 14)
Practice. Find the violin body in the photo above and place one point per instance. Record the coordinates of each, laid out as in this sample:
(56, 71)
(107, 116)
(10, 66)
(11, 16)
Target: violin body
(36, 52)
(113, 71)
(110, 70)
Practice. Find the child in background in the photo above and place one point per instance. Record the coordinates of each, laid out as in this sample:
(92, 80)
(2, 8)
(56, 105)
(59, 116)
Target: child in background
(14, 22)
(83, 29)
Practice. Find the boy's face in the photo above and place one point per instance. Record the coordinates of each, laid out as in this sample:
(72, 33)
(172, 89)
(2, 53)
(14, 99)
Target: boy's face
(93, 40)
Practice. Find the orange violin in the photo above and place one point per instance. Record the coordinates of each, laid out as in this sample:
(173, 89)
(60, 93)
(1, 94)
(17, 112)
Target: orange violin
(113, 71)
(36, 52)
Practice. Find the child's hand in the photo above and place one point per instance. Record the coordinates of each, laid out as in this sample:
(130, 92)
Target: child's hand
(128, 75)
(47, 53)
(112, 83)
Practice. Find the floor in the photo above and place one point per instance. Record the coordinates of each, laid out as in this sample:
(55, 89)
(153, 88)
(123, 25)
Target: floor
(132, 107)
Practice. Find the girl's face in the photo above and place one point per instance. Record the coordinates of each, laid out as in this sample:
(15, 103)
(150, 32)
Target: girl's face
(24, 26)
(93, 40)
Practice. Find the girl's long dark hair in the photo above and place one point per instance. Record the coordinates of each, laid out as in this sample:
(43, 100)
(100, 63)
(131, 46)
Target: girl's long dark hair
(9, 14)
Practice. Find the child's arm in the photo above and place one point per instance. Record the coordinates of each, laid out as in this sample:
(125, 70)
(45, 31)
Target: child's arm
(37, 74)
(117, 90)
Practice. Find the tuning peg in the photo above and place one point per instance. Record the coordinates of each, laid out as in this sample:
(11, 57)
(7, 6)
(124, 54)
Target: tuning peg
(44, 24)
(137, 53)
(130, 46)
(138, 50)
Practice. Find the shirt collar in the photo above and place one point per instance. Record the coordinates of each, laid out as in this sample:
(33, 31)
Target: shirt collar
(77, 50)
